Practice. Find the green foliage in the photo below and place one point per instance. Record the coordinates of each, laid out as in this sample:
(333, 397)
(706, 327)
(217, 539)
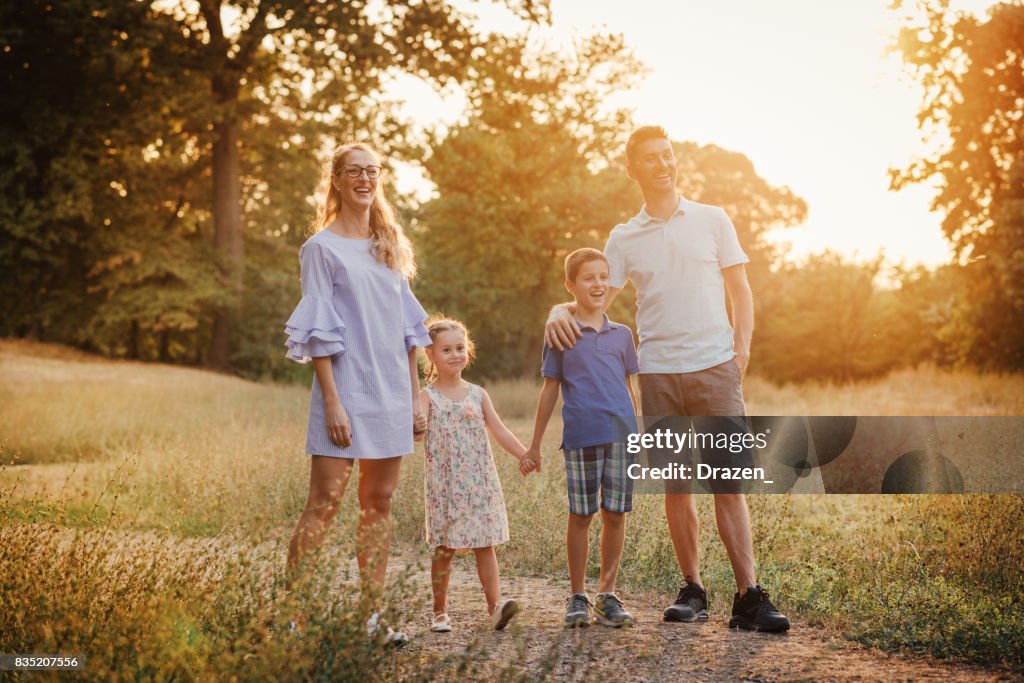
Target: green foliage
(973, 87)
(120, 115)
(81, 204)
(110, 238)
(929, 574)
(827, 318)
(520, 184)
(535, 173)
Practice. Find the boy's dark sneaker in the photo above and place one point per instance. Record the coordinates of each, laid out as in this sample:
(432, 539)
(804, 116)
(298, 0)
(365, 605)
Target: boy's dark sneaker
(754, 612)
(610, 612)
(691, 604)
(577, 611)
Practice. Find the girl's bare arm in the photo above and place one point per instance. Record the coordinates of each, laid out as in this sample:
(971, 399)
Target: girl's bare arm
(502, 434)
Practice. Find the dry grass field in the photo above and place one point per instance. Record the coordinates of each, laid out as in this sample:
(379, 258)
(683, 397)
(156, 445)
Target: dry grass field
(144, 512)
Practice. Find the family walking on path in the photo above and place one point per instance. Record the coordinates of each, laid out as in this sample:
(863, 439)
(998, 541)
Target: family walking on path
(360, 325)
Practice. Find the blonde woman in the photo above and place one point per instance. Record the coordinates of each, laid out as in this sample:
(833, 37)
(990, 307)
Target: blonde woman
(360, 324)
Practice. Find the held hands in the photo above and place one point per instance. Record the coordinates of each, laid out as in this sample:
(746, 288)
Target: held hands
(529, 461)
(339, 430)
(419, 422)
(561, 329)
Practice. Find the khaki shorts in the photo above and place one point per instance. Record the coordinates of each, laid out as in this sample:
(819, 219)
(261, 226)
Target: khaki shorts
(717, 391)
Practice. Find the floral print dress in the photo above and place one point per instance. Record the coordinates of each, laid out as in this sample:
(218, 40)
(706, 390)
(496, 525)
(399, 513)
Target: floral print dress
(465, 507)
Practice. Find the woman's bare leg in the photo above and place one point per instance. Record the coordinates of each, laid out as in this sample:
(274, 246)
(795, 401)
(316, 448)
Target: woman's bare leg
(327, 480)
(377, 481)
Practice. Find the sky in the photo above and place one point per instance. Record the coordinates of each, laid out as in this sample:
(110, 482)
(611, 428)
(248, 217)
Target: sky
(801, 87)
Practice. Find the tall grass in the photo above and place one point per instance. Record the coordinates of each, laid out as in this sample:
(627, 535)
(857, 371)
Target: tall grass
(156, 607)
(924, 390)
(145, 518)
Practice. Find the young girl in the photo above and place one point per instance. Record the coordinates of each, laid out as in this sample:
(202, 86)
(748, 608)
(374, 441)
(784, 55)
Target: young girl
(464, 504)
(359, 323)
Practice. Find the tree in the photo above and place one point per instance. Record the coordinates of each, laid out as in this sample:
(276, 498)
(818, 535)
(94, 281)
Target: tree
(536, 171)
(519, 185)
(149, 146)
(286, 62)
(88, 165)
(970, 69)
(827, 319)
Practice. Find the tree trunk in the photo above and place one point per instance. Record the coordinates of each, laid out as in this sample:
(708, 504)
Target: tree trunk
(133, 340)
(165, 346)
(227, 222)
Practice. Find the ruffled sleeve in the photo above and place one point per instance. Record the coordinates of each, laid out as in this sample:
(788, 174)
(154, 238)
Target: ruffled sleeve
(315, 328)
(415, 331)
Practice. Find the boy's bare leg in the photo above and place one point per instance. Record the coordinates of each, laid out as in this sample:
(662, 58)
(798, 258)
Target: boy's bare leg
(613, 536)
(577, 547)
(734, 527)
(440, 573)
(487, 570)
(684, 528)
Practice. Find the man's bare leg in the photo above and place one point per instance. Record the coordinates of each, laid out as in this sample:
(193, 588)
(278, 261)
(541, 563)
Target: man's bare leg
(734, 527)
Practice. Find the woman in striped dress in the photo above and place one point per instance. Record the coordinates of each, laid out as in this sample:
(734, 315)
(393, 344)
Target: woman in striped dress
(359, 323)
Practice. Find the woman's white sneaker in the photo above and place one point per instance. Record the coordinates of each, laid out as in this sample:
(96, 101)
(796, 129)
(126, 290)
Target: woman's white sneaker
(390, 636)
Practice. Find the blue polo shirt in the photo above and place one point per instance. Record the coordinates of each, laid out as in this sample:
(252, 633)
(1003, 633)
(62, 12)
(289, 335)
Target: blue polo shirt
(593, 377)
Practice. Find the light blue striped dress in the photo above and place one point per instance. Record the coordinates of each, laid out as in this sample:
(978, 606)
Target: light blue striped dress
(364, 316)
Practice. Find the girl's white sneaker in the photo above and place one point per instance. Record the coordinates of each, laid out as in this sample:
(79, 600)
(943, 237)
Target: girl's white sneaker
(503, 613)
(441, 624)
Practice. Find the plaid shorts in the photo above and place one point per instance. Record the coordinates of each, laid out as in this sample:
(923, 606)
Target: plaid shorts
(603, 468)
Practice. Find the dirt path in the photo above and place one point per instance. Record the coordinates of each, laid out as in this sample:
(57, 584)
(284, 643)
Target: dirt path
(538, 647)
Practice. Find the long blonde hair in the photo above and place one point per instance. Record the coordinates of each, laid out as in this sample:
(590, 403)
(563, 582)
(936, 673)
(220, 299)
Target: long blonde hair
(390, 245)
(442, 323)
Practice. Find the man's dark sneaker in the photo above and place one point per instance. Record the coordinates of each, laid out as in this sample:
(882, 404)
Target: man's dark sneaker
(754, 612)
(610, 612)
(577, 612)
(691, 604)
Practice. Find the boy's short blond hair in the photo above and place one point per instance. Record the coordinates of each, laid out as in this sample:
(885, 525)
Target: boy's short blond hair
(575, 261)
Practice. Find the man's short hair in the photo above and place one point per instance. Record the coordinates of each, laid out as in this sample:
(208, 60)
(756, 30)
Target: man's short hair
(643, 134)
(575, 261)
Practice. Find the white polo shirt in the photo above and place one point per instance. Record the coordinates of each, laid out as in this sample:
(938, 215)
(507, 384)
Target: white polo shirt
(676, 266)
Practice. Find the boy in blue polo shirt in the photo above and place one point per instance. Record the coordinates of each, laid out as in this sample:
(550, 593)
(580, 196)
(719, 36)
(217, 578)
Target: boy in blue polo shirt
(595, 377)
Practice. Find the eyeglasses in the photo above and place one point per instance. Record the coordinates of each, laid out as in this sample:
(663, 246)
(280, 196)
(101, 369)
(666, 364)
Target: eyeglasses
(372, 172)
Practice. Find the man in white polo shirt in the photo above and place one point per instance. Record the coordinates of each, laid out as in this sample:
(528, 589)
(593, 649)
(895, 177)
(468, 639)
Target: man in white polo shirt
(684, 258)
